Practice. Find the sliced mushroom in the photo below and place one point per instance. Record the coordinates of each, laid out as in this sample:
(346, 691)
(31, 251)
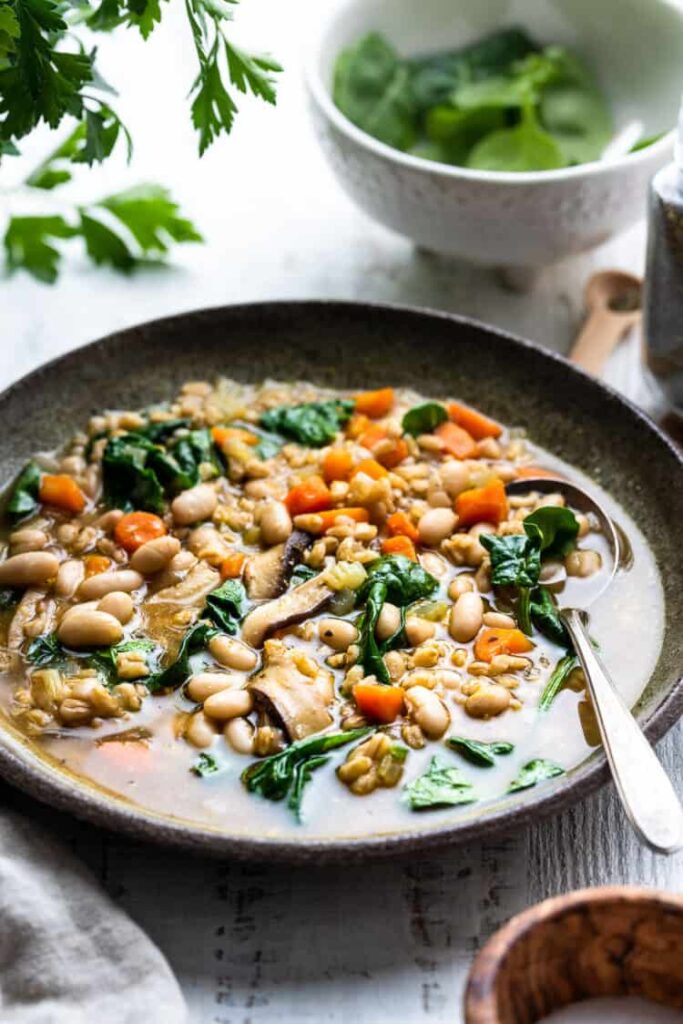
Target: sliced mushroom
(297, 604)
(199, 582)
(263, 575)
(267, 574)
(34, 607)
(299, 699)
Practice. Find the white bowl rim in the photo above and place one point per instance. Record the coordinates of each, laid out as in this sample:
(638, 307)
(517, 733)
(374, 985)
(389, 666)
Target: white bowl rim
(323, 98)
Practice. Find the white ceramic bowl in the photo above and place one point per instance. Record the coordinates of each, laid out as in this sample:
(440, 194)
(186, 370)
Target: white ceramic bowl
(635, 47)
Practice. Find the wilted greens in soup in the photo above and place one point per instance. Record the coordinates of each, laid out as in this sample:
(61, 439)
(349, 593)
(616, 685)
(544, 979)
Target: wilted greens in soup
(273, 604)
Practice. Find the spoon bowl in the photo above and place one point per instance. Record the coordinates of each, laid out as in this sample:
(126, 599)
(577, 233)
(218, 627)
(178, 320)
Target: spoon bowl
(645, 791)
(582, 501)
(613, 300)
(616, 291)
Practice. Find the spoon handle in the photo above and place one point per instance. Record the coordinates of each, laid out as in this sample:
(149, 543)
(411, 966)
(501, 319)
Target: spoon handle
(599, 336)
(644, 788)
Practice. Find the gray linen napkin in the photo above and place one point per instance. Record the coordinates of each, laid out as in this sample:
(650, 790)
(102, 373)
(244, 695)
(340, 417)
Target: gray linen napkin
(68, 955)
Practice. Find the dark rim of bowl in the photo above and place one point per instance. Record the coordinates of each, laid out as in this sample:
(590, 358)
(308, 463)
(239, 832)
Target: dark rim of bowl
(64, 791)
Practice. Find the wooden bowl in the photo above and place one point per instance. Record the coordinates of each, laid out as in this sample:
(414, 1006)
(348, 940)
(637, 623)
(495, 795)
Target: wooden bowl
(616, 941)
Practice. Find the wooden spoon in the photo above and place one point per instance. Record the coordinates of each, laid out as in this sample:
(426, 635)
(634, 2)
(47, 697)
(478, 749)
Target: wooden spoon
(614, 303)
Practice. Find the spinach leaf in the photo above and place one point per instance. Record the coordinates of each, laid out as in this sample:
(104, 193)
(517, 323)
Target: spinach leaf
(372, 87)
(456, 131)
(226, 605)
(175, 674)
(205, 765)
(424, 418)
(535, 771)
(558, 678)
(9, 598)
(396, 579)
(546, 617)
(556, 527)
(311, 423)
(436, 78)
(574, 111)
(127, 480)
(515, 559)
(524, 147)
(23, 499)
(158, 432)
(178, 465)
(441, 785)
(104, 659)
(406, 581)
(482, 754)
(286, 774)
(46, 651)
(142, 467)
(516, 562)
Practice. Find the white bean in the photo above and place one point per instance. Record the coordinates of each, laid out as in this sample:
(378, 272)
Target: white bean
(239, 733)
(466, 617)
(104, 582)
(435, 525)
(28, 540)
(30, 569)
(229, 704)
(479, 528)
(88, 627)
(462, 584)
(428, 711)
(388, 621)
(200, 731)
(488, 699)
(118, 604)
(499, 621)
(195, 504)
(275, 523)
(583, 563)
(232, 653)
(205, 684)
(338, 634)
(418, 630)
(455, 477)
(108, 521)
(69, 576)
(154, 555)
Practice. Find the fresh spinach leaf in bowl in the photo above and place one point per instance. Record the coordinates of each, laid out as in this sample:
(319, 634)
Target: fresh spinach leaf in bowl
(503, 103)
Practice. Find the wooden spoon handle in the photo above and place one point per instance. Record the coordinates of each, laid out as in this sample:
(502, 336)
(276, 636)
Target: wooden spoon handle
(598, 338)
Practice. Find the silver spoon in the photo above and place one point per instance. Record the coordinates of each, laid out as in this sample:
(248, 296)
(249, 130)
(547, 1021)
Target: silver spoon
(645, 791)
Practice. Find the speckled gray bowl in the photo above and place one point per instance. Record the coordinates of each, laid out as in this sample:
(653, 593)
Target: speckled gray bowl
(356, 345)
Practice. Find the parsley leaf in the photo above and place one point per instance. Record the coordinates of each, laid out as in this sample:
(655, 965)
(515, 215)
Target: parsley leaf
(213, 108)
(146, 221)
(29, 243)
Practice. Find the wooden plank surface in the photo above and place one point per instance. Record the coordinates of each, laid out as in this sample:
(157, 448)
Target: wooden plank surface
(253, 944)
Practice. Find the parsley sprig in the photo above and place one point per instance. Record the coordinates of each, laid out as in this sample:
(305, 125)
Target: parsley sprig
(47, 75)
(124, 231)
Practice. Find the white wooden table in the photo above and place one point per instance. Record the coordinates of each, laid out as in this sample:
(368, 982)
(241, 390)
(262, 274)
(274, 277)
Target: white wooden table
(388, 942)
